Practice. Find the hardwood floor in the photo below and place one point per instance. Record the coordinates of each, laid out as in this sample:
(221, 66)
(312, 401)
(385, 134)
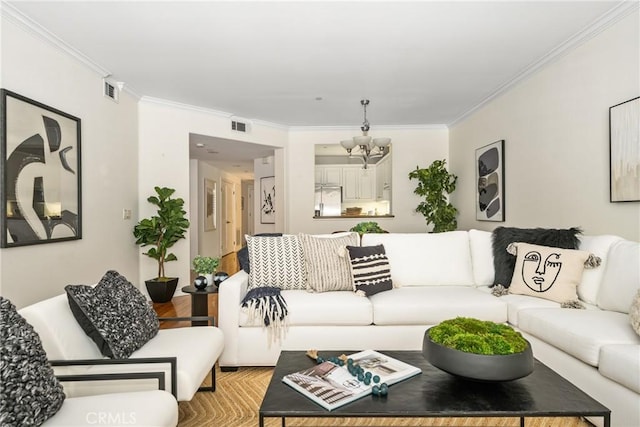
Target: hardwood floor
(180, 306)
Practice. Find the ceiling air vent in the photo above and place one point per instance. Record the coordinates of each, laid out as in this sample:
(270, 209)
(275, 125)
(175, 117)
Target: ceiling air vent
(240, 125)
(110, 90)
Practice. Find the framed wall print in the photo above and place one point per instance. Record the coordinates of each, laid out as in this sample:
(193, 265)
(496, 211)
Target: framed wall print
(490, 179)
(41, 179)
(267, 200)
(209, 205)
(624, 151)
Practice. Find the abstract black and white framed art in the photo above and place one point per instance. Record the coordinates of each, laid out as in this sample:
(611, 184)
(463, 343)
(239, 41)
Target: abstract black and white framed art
(268, 200)
(624, 151)
(41, 180)
(490, 179)
(209, 204)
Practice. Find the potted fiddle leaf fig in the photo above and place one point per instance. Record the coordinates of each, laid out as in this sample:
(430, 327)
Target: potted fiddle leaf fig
(434, 184)
(161, 232)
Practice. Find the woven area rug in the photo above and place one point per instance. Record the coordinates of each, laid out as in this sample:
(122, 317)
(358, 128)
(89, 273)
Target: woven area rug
(239, 394)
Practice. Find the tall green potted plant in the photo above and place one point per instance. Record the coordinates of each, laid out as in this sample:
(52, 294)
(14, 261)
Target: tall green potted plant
(435, 183)
(161, 232)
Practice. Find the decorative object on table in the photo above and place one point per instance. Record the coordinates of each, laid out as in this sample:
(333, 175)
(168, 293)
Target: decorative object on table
(220, 277)
(504, 263)
(478, 350)
(161, 232)
(209, 204)
(624, 151)
(30, 393)
(335, 381)
(549, 273)
(41, 174)
(435, 183)
(369, 148)
(200, 282)
(490, 198)
(205, 266)
(268, 200)
(367, 227)
(354, 211)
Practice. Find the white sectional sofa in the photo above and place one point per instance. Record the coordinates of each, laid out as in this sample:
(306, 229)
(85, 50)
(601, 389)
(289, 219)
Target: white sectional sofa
(440, 276)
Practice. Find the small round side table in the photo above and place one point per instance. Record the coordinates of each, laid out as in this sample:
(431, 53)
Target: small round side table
(200, 302)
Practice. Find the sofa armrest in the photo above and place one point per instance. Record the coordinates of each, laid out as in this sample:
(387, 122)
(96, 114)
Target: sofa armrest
(230, 295)
(121, 375)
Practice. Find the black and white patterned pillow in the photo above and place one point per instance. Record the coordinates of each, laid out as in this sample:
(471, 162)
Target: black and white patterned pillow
(276, 262)
(114, 314)
(370, 269)
(29, 392)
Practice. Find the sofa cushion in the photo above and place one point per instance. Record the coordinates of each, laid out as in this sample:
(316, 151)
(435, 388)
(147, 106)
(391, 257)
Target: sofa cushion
(369, 269)
(546, 272)
(580, 333)
(326, 264)
(114, 314)
(517, 303)
(29, 392)
(621, 278)
(277, 262)
(592, 278)
(61, 335)
(426, 259)
(429, 305)
(621, 363)
(481, 257)
(504, 263)
(339, 308)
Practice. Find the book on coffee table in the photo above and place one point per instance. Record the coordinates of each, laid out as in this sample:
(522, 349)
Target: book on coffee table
(331, 385)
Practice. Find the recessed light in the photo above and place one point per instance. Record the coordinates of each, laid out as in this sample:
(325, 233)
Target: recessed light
(199, 145)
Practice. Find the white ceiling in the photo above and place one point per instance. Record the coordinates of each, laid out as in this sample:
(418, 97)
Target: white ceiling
(418, 62)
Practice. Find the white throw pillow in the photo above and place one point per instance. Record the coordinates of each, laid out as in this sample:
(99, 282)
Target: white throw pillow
(326, 264)
(276, 262)
(621, 278)
(546, 272)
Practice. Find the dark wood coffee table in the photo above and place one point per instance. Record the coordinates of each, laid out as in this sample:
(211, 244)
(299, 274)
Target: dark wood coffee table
(435, 393)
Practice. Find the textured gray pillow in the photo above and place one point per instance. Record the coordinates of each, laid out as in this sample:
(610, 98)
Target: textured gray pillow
(29, 392)
(114, 314)
(327, 263)
(634, 313)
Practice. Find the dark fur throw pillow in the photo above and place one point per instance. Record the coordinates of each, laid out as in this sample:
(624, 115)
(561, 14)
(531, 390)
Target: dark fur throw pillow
(504, 263)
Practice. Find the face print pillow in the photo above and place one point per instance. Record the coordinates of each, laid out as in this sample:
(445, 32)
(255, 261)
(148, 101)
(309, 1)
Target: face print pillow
(550, 273)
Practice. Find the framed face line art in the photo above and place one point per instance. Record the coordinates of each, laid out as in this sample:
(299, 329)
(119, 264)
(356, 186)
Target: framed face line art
(41, 173)
(490, 197)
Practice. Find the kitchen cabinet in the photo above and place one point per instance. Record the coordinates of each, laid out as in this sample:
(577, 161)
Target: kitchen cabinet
(358, 184)
(328, 175)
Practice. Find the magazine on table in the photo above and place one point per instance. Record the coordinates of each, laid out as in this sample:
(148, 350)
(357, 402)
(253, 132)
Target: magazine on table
(331, 385)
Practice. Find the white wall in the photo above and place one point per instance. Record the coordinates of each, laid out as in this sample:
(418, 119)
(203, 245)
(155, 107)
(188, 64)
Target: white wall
(411, 148)
(164, 129)
(556, 131)
(35, 68)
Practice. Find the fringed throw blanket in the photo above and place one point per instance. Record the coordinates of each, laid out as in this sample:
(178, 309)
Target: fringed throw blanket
(267, 305)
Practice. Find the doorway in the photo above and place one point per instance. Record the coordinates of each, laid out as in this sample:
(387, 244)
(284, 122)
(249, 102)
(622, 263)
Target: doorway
(228, 217)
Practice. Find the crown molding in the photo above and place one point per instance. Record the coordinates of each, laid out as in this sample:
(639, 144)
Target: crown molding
(614, 15)
(217, 113)
(26, 23)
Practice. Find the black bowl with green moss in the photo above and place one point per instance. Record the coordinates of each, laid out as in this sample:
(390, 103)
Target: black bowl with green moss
(478, 350)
